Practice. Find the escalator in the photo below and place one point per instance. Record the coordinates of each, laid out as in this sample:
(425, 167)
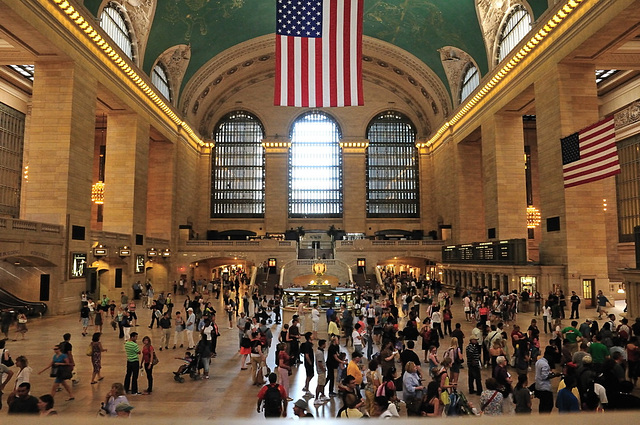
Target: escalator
(13, 303)
(365, 281)
(266, 281)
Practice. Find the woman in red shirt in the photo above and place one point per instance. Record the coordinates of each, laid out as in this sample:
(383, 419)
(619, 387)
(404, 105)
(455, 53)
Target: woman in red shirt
(147, 362)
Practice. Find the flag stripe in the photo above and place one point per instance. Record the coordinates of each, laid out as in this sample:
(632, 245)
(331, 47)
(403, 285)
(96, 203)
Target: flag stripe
(594, 157)
(346, 62)
(357, 47)
(319, 53)
(304, 71)
(331, 16)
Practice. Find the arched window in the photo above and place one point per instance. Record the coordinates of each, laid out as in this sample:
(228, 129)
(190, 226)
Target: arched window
(161, 81)
(237, 170)
(315, 167)
(113, 21)
(392, 167)
(470, 81)
(518, 24)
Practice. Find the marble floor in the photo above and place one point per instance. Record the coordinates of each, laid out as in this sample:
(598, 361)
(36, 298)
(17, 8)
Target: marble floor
(227, 394)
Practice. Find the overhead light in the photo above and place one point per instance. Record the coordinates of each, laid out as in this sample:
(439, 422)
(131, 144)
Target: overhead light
(100, 251)
(125, 251)
(97, 193)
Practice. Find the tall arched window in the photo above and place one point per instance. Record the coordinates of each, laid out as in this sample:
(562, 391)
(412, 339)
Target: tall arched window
(392, 167)
(237, 171)
(160, 79)
(516, 27)
(470, 81)
(113, 21)
(315, 167)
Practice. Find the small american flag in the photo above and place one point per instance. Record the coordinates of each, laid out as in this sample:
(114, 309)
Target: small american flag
(319, 53)
(591, 154)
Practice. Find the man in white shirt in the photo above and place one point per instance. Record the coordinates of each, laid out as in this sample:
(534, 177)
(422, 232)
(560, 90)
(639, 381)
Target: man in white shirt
(315, 320)
(321, 369)
(189, 327)
(356, 337)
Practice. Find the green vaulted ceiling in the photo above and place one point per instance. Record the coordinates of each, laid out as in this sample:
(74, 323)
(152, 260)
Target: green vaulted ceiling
(420, 27)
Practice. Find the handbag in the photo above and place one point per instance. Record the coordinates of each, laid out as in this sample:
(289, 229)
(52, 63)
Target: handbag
(444, 397)
(54, 372)
(8, 361)
(154, 359)
(89, 350)
(64, 373)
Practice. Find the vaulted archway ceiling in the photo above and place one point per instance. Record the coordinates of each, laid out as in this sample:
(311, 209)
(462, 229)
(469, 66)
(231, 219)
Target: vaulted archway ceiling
(420, 27)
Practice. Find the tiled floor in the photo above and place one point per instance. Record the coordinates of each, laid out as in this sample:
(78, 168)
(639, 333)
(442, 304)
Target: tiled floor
(228, 394)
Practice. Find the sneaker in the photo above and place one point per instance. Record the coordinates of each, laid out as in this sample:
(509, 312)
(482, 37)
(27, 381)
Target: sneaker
(289, 399)
(318, 402)
(324, 398)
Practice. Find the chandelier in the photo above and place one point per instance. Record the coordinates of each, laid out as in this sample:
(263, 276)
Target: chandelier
(533, 217)
(97, 193)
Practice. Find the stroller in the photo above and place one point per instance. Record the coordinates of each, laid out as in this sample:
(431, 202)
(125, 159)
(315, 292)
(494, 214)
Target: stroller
(458, 406)
(190, 369)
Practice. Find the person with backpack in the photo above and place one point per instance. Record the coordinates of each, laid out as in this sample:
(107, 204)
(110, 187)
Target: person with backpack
(274, 397)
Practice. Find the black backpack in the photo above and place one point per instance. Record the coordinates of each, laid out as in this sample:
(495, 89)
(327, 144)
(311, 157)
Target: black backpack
(272, 400)
(591, 399)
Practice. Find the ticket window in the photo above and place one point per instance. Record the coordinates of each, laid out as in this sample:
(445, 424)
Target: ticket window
(528, 284)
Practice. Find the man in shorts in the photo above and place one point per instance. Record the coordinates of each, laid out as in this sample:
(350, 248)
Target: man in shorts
(321, 368)
(602, 302)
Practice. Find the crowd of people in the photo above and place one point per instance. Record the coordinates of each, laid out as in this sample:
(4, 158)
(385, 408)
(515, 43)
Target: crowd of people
(396, 351)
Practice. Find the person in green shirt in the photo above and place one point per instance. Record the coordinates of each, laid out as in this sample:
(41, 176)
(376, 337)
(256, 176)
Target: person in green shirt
(132, 350)
(572, 336)
(599, 352)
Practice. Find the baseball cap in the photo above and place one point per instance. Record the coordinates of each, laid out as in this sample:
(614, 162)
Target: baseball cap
(301, 404)
(124, 407)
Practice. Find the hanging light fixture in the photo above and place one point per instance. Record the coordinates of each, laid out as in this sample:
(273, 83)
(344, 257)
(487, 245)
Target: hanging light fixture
(533, 217)
(97, 193)
(97, 190)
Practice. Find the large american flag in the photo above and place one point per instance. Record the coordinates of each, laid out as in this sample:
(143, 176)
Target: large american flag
(591, 154)
(319, 53)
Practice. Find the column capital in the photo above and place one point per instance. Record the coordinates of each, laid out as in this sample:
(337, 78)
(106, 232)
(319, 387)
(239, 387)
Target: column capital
(276, 144)
(353, 144)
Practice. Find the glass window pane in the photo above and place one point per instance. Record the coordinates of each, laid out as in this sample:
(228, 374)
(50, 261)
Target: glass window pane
(315, 167)
(161, 81)
(628, 187)
(237, 175)
(113, 22)
(470, 81)
(517, 26)
(392, 167)
(11, 150)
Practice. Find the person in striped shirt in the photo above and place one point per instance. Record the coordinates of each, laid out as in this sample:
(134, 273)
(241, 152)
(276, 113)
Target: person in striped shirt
(132, 350)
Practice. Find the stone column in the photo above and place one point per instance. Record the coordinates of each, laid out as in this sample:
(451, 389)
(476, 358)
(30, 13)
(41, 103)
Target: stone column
(126, 174)
(276, 202)
(61, 144)
(567, 101)
(505, 196)
(467, 175)
(354, 188)
(161, 188)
